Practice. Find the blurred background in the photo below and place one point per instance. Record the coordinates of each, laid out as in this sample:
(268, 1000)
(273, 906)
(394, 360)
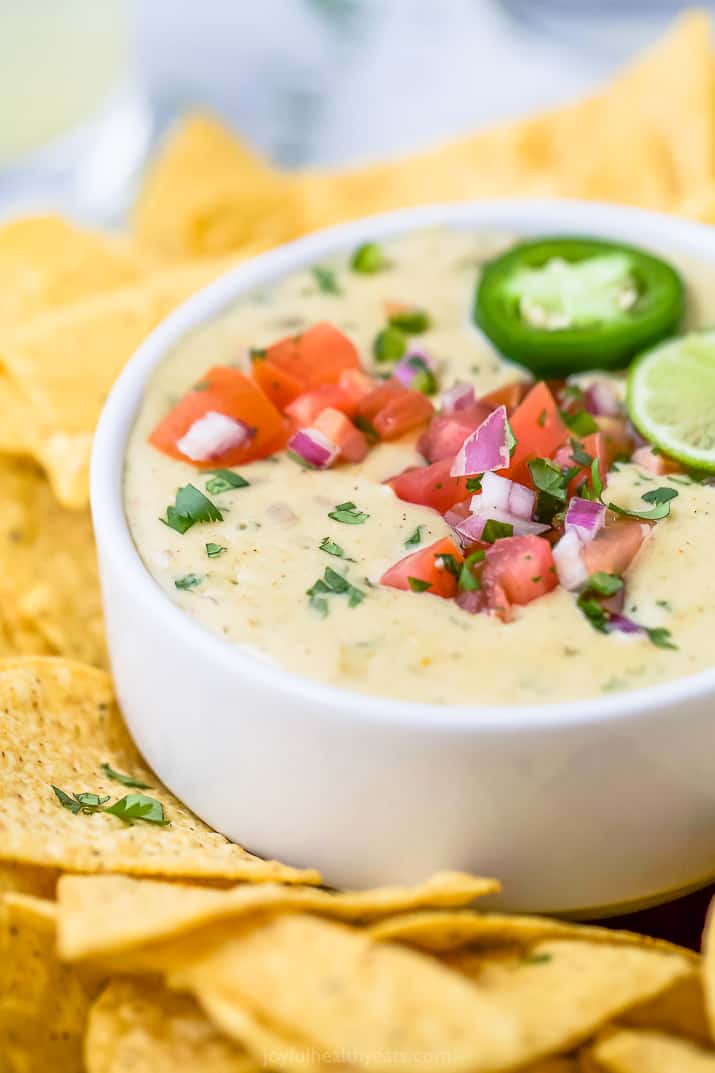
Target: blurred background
(87, 87)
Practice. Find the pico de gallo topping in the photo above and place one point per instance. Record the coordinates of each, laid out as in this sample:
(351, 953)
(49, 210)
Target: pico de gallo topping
(519, 475)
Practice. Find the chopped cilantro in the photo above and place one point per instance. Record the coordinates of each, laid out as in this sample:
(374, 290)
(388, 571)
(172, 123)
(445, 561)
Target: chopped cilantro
(257, 354)
(191, 506)
(581, 457)
(660, 637)
(331, 548)
(424, 379)
(605, 584)
(510, 438)
(333, 583)
(415, 539)
(139, 807)
(659, 497)
(494, 530)
(467, 582)
(188, 581)
(410, 321)
(348, 514)
(368, 259)
(418, 585)
(129, 808)
(536, 957)
(214, 550)
(224, 480)
(593, 611)
(474, 484)
(596, 482)
(548, 478)
(389, 344)
(582, 423)
(448, 563)
(126, 780)
(367, 427)
(326, 279)
(319, 604)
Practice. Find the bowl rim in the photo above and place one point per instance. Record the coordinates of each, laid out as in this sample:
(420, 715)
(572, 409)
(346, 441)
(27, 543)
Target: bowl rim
(520, 216)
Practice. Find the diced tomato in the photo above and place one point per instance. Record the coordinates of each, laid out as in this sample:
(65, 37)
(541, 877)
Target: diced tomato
(370, 405)
(280, 387)
(517, 570)
(402, 414)
(342, 432)
(430, 486)
(316, 356)
(352, 386)
(425, 565)
(592, 445)
(615, 547)
(538, 429)
(509, 395)
(226, 391)
(393, 409)
(447, 432)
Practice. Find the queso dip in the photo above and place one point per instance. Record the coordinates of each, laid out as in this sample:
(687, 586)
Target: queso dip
(299, 568)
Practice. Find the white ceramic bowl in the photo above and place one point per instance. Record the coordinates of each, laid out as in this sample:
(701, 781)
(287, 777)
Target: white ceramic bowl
(583, 806)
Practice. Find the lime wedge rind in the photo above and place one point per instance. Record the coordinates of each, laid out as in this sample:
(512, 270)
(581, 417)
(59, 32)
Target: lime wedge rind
(671, 398)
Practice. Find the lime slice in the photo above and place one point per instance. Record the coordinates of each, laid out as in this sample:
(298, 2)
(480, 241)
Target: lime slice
(671, 398)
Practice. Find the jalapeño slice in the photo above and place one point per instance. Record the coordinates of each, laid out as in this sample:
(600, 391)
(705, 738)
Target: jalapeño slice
(562, 305)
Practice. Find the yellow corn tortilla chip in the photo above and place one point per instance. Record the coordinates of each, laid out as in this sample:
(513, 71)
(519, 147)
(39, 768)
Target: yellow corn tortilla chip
(64, 363)
(49, 587)
(441, 932)
(102, 916)
(329, 992)
(554, 1065)
(562, 991)
(628, 1051)
(679, 1011)
(43, 1004)
(207, 193)
(59, 724)
(27, 879)
(138, 1026)
(647, 139)
(47, 262)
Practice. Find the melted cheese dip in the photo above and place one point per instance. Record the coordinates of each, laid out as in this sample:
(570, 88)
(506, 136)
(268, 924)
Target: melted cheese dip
(402, 644)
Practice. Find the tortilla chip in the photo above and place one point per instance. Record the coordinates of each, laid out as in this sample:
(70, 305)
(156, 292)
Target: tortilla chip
(627, 1051)
(60, 723)
(441, 932)
(207, 193)
(329, 992)
(679, 1011)
(63, 365)
(43, 1004)
(647, 139)
(138, 1026)
(103, 916)
(560, 992)
(49, 588)
(27, 879)
(47, 262)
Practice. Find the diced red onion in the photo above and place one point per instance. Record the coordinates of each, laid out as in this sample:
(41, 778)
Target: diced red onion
(405, 371)
(585, 517)
(313, 448)
(486, 449)
(459, 397)
(458, 513)
(505, 495)
(471, 600)
(472, 528)
(569, 563)
(213, 436)
(600, 399)
(623, 624)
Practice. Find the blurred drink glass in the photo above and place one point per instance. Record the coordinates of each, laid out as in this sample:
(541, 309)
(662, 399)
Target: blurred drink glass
(73, 125)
